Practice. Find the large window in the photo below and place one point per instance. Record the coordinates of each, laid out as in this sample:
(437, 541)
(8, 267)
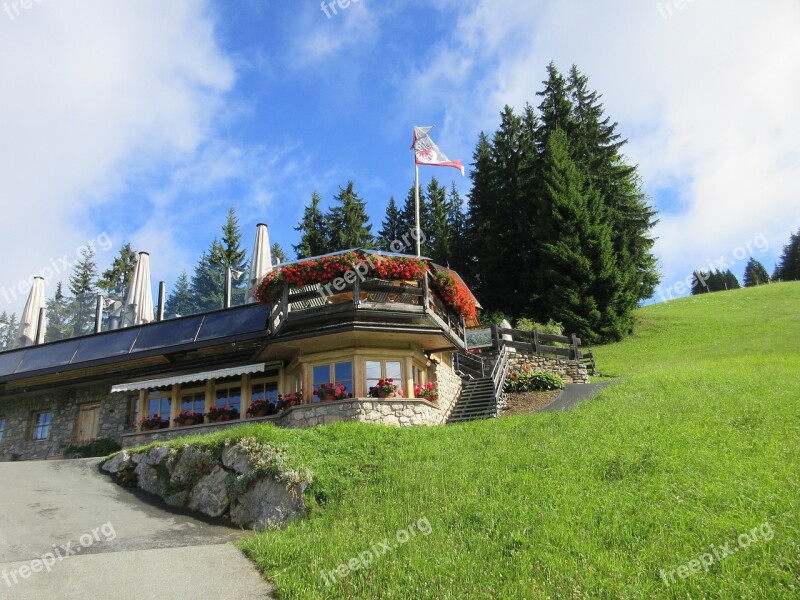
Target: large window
(336, 373)
(265, 390)
(159, 403)
(41, 425)
(194, 402)
(230, 395)
(2, 428)
(384, 369)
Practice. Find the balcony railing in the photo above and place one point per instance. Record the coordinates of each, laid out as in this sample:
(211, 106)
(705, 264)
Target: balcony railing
(369, 294)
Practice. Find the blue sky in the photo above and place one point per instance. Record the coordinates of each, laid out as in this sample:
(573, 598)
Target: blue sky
(146, 120)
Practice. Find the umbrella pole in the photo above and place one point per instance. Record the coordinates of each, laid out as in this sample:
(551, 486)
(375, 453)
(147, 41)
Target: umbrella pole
(40, 327)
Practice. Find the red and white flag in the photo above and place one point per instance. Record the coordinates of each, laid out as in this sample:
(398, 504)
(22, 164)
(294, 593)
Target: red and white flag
(428, 153)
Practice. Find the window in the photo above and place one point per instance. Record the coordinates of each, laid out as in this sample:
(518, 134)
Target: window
(159, 403)
(384, 369)
(194, 402)
(232, 396)
(265, 391)
(133, 412)
(419, 376)
(41, 425)
(336, 373)
(2, 428)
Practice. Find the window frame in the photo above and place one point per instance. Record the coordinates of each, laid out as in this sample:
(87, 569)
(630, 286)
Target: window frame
(400, 383)
(35, 425)
(228, 386)
(162, 395)
(2, 428)
(331, 364)
(194, 392)
(265, 381)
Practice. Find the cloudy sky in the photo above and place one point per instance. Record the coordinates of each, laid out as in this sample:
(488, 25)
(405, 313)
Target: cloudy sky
(144, 121)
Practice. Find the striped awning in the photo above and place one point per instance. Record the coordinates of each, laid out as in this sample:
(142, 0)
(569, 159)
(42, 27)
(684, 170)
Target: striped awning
(187, 378)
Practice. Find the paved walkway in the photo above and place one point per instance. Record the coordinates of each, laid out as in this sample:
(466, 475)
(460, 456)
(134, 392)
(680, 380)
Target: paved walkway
(575, 393)
(68, 531)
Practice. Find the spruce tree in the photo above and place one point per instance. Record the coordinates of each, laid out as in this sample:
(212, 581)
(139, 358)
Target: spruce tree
(279, 256)
(437, 227)
(84, 294)
(115, 280)
(315, 239)
(788, 268)
(347, 221)
(755, 274)
(181, 300)
(577, 267)
(8, 333)
(392, 229)
(457, 224)
(481, 205)
(408, 220)
(232, 255)
(208, 281)
(58, 311)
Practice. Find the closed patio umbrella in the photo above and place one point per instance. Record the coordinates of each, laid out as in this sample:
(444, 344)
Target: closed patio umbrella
(139, 302)
(29, 323)
(261, 263)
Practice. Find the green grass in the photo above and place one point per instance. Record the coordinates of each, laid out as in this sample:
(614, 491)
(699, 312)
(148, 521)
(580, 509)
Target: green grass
(697, 444)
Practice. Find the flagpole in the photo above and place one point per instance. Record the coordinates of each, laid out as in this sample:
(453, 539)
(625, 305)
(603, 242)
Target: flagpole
(416, 206)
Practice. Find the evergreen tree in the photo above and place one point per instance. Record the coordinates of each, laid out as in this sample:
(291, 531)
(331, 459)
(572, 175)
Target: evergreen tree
(391, 229)
(181, 300)
(437, 226)
(58, 311)
(577, 268)
(408, 220)
(279, 256)
(348, 222)
(713, 281)
(479, 216)
(555, 109)
(208, 281)
(315, 239)
(84, 294)
(8, 333)
(729, 280)
(755, 274)
(115, 280)
(457, 224)
(233, 256)
(788, 268)
(700, 282)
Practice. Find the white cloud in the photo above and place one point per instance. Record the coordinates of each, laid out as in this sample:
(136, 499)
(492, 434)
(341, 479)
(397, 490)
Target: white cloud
(94, 94)
(707, 97)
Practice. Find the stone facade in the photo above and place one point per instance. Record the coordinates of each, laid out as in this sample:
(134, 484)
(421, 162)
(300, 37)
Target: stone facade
(64, 404)
(571, 371)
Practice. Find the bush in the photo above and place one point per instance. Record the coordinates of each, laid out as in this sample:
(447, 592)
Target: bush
(524, 381)
(551, 327)
(102, 447)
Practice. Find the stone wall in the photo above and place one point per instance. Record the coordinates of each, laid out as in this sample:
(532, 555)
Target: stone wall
(571, 371)
(64, 404)
(245, 483)
(449, 386)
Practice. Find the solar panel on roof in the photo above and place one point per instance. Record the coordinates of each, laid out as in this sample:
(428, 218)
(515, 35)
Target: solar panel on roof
(9, 361)
(48, 355)
(168, 333)
(229, 323)
(113, 343)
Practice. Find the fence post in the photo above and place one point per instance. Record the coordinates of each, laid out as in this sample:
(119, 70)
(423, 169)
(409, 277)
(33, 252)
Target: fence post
(535, 341)
(495, 337)
(425, 292)
(576, 342)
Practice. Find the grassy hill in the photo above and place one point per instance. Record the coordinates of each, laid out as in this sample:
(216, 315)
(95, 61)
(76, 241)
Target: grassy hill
(698, 445)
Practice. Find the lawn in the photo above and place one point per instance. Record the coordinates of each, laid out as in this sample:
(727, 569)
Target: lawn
(695, 453)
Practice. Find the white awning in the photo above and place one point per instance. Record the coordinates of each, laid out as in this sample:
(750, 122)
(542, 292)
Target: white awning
(203, 376)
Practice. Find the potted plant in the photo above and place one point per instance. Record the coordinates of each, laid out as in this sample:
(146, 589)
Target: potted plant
(187, 417)
(261, 408)
(328, 392)
(289, 400)
(427, 391)
(226, 413)
(153, 423)
(385, 389)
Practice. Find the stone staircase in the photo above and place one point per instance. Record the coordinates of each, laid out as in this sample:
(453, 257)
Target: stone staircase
(482, 389)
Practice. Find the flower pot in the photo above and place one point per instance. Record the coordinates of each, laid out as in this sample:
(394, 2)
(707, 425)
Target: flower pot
(387, 395)
(259, 413)
(330, 398)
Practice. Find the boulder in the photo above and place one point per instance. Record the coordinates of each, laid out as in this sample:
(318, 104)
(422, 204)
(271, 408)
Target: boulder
(150, 479)
(209, 495)
(236, 459)
(268, 504)
(121, 461)
(157, 456)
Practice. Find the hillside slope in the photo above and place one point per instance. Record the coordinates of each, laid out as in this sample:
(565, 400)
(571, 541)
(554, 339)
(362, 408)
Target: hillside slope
(696, 446)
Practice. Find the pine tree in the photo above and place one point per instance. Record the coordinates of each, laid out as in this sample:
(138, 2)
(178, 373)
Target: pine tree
(233, 256)
(479, 216)
(58, 311)
(84, 294)
(181, 301)
(348, 222)
(577, 268)
(788, 268)
(279, 256)
(438, 231)
(8, 333)
(457, 224)
(208, 281)
(392, 228)
(315, 239)
(555, 108)
(408, 220)
(755, 274)
(115, 280)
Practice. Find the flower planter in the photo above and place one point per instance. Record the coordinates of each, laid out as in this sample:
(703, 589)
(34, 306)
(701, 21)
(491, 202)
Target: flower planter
(260, 413)
(327, 398)
(386, 395)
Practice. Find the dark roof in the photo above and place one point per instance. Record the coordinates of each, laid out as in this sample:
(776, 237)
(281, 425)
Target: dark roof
(173, 335)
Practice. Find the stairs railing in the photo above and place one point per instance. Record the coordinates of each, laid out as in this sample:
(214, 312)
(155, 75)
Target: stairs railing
(499, 375)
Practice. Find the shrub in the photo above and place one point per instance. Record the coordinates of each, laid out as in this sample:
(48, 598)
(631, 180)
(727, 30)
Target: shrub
(551, 327)
(102, 447)
(524, 381)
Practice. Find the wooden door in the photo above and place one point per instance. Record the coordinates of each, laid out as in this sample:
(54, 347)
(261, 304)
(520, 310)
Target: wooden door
(89, 423)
